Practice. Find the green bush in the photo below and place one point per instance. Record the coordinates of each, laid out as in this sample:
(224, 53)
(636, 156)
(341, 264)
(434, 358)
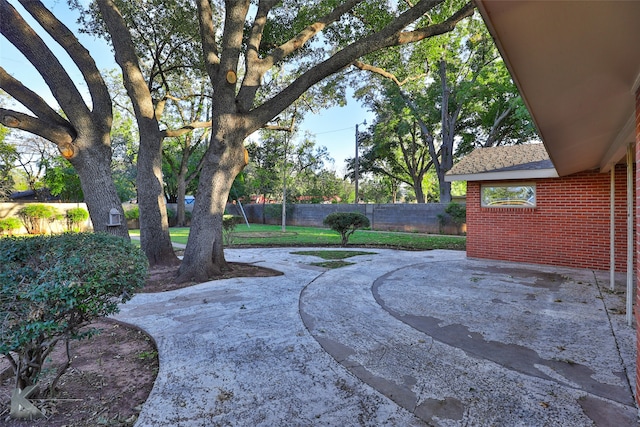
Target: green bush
(75, 217)
(10, 224)
(454, 213)
(457, 212)
(229, 223)
(52, 286)
(34, 217)
(346, 223)
(132, 213)
(171, 214)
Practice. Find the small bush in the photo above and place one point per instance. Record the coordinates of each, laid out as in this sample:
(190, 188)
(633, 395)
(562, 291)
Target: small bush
(454, 213)
(229, 223)
(75, 217)
(346, 223)
(132, 213)
(457, 212)
(52, 286)
(10, 224)
(171, 214)
(34, 217)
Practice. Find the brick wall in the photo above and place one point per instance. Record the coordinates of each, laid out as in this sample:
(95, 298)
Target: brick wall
(569, 225)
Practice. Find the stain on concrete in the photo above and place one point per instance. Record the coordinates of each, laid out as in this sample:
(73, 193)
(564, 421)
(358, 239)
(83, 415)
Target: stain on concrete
(511, 356)
(399, 393)
(339, 351)
(449, 408)
(546, 280)
(601, 412)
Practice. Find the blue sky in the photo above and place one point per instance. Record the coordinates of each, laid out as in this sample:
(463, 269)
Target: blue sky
(333, 128)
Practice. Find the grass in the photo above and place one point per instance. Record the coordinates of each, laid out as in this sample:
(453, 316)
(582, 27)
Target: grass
(332, 259)
(272, 235)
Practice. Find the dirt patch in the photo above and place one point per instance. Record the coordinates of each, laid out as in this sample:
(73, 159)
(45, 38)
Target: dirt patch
(162, 279)
(112, 373)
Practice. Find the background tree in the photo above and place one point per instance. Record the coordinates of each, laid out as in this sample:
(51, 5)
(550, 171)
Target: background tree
(34, 156)
(459, 92)
(396, 148)
(279, 155)
(62, 180)
(124, 139)
(8, 157)
(80, 132)
(183, 152)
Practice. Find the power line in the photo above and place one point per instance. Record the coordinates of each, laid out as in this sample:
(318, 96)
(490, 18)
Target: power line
(337, 130)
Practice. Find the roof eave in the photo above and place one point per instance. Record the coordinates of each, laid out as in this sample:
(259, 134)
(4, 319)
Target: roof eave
(504, 175)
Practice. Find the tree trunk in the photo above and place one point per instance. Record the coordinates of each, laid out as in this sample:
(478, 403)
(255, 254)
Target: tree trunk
(225, 158)
(417, 188)
(93, 164)
(181, 219)
(154, 224)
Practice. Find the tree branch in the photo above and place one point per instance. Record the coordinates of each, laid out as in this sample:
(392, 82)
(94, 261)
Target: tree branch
(171, 133)
(384, 73)
(391, 35)
(491, 137)
(23, 37)
(51, 131)
(79, 55)
(436, 29)
(127, 59)
(30, 99)
(208, 36)
(256, 68)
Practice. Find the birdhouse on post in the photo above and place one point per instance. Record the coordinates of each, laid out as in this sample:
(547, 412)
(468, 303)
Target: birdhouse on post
(115, 218)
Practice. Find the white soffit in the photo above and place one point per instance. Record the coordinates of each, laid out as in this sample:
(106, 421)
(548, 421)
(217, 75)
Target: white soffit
(505, 175)
(576, 64)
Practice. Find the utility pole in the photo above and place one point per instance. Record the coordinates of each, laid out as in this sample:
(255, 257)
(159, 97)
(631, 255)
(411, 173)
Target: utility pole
(357, 160)
(284, 185)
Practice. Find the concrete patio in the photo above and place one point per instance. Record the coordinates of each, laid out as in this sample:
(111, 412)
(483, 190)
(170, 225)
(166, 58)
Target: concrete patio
(397, 339)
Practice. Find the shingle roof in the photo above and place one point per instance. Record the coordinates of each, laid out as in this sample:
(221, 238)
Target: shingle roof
(508, 162)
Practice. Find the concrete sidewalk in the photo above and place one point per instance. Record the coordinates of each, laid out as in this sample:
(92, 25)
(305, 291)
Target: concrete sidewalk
(397, 339)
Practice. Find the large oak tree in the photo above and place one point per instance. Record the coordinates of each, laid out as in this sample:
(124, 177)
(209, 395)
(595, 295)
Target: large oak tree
(241, 50)
(80, 131)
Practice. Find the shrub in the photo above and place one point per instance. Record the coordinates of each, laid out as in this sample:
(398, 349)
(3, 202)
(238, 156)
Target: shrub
(9, 224)
(229, 223)
(171, 214)
(346, 223)
(52, 286)
(74, 217)
(132, 213)
(455, 213)
(35, 215)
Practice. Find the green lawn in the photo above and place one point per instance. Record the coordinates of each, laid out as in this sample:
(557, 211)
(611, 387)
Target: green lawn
(272, 235)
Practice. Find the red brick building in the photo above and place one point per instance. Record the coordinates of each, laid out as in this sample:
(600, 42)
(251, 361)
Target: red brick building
(544, 219)
(577, 66)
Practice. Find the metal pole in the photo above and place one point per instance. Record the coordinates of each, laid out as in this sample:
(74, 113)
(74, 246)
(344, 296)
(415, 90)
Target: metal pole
(612, 230)
(284, 186)
(630, 234)
(246, 221)
(357, 163)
